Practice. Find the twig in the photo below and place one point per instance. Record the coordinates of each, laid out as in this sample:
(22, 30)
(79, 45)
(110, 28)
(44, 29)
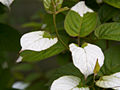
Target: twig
(55, 26)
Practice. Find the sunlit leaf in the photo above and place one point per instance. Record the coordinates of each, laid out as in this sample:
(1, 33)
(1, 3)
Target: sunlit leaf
(49, 5)
(67, 83)
(85, 58)
(110, 81)
(37, 41)
(80, 21)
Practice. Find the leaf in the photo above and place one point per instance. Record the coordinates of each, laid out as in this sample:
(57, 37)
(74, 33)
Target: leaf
(88, 55)
(68, 69)
(20, 85)
(37, 41)
(112, 60)
(78, 18)
(81, 8)
(105, 16)
(6, 2)
(97, 68)
(48, 4)
(101, 43)
(32, 56)
(32, 24)
(66, 59)
(115, 3)
(75, 24)
(116, 17)
(9, 38)
(109, 31)
(66, 83)
(23, 67)
(111, 81)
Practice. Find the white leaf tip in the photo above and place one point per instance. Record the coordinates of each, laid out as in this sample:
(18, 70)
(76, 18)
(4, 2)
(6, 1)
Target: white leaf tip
(36, 42)
(19, 59)
(81, 8)
(84, 58)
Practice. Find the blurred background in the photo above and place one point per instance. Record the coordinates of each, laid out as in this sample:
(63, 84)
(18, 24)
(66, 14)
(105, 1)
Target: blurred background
(24, 16)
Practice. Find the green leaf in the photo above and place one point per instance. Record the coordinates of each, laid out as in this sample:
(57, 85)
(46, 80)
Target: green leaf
(115, 3)
(67, 57)
(97, 68)
(112, 61)
(32, 25)
(75, 24)
(101, 43)
(48, 4)
(109, 31)
(68, 69)
(32, 56)
(105, 16)
(23, 67)
(47, 35)
(84, 45)
(9, 38)
(116, 17)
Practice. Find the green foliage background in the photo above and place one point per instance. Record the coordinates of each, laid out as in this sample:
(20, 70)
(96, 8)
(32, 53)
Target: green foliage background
(41, 68)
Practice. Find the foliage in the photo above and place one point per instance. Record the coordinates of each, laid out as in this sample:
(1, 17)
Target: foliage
(101, 28)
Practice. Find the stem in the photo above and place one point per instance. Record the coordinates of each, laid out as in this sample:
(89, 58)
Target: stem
(85, 79)
(79, 40)
(94, 78)
(93, 88)
(107, 44)
(79, 34)
(54, 21)
(55, 26)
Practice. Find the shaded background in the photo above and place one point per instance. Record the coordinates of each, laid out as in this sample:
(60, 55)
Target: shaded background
(22, 12)
(25, 11)
(29, 15)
